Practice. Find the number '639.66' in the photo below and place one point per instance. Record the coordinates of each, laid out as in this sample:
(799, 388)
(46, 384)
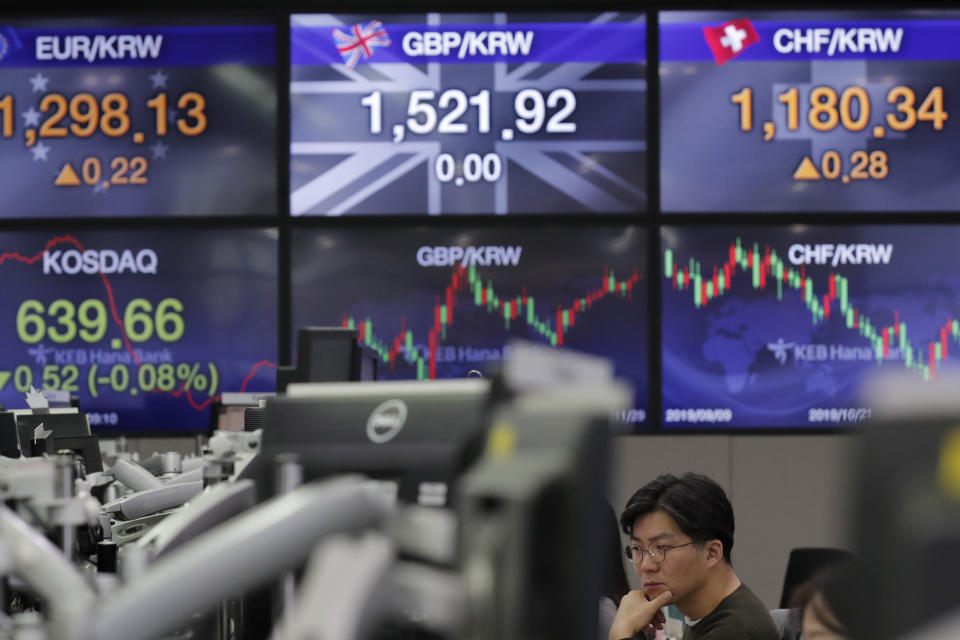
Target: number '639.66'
(62, 320)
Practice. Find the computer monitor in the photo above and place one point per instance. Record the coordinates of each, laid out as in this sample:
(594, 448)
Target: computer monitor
(62, 422)
(530, 514)
(327, 354)
(414, 437)
(907, 533)
(26, 432)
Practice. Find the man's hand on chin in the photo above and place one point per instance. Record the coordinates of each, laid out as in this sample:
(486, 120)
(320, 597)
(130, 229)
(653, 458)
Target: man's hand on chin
(638, 613)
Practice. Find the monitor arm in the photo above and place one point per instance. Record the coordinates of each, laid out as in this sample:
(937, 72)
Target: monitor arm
(28, 554)
(272, 538)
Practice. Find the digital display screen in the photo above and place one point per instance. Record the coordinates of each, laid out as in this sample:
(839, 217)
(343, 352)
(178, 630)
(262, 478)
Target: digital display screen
(440, 303)
(118, 117)
(488, 113)
(809, 111)
(779, 326)
(146, 329)
(331, 358)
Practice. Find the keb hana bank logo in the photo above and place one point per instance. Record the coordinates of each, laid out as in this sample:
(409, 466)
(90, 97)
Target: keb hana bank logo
(730, 39)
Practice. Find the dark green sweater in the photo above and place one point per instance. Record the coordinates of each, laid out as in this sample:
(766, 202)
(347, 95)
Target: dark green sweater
(739, 616)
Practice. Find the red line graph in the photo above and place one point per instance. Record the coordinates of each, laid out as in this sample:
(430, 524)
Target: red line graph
(68, 239)
(106, 283)
(470, 284)
(203, 405)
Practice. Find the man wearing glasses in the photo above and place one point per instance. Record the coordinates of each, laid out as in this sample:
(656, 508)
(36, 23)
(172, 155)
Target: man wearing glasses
(681, 535)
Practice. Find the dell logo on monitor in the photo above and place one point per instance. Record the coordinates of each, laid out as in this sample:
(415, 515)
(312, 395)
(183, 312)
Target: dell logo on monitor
(386, 421)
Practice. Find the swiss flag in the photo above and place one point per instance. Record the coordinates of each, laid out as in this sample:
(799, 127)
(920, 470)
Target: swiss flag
(729, 39)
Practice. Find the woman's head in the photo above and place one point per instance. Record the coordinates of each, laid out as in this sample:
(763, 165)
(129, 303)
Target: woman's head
(819, 622)
(825, 604)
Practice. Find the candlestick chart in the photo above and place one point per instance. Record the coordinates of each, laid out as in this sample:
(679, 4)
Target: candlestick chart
(438, 303)
(780, 326)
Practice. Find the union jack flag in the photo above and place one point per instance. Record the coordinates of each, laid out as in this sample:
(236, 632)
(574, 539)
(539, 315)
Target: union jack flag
(360, 41)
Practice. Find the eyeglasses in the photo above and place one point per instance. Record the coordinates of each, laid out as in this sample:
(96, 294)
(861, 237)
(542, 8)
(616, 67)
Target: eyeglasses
(658, 553)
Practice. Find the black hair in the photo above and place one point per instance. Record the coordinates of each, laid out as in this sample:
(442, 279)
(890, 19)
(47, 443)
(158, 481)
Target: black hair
(615, 584)
(835, 608)
(697, 504)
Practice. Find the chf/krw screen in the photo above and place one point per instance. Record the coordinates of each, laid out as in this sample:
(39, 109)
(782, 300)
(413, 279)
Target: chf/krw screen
(809, 111)
(780, 326)
(488, 113)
